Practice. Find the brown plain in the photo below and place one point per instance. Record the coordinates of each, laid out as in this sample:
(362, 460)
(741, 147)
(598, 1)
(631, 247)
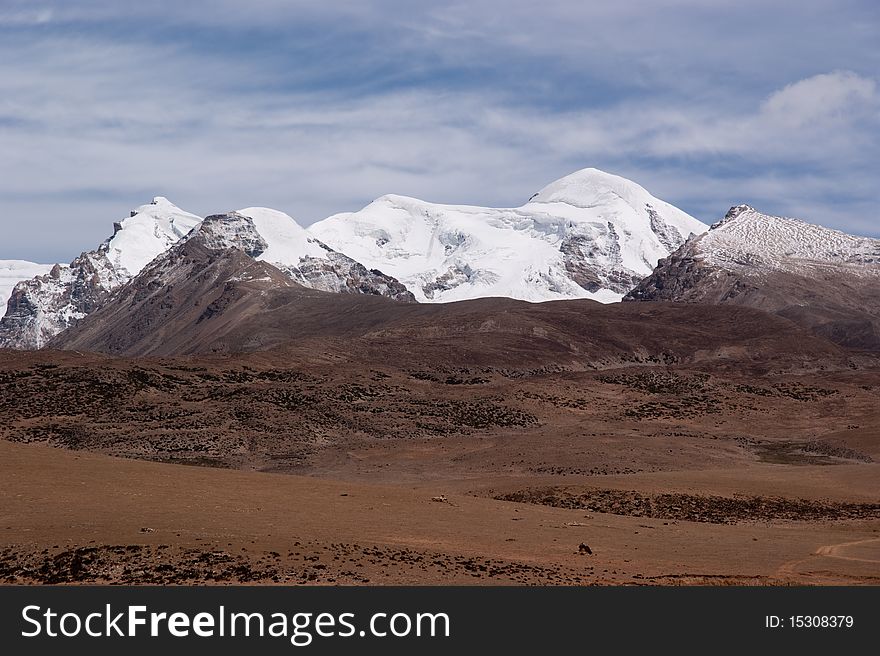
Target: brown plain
(352, 440)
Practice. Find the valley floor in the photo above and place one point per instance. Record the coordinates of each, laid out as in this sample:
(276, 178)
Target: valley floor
(239, 473)
(68, 517)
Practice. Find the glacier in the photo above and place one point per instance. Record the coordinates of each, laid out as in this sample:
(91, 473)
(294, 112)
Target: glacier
(590, 235)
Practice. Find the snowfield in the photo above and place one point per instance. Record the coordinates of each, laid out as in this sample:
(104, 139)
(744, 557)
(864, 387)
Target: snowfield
(150, 230)
(287, 242)
(588, 235)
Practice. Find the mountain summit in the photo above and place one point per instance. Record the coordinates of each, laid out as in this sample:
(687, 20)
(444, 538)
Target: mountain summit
(588, 235)
(823, 279)
(274, 237)
(42, 307)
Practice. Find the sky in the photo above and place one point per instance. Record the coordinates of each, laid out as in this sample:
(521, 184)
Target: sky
(319, 107)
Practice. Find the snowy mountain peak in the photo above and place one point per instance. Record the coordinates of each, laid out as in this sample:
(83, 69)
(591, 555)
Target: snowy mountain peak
(823, 279)
(747, 237)
(148, 231)
(590, 234)
(734, 212)
(43, 306)
(589, 187)
(276, 238)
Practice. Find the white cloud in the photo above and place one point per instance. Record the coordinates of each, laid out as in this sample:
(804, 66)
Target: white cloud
(836, 95)
(311, 156)
(14, 18)
(93, 123)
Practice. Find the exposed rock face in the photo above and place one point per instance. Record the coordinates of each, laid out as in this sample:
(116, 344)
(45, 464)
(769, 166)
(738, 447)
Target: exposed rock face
(44, 306)
(667, 234)
(457, 274)
(339, 273)
(233, 230)
(273, 237)
(822, 279)
(13, 272)
(194, 284)
(586, 259)
(213, 279)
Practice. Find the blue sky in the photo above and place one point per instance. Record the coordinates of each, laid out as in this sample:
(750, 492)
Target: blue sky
(319, 107)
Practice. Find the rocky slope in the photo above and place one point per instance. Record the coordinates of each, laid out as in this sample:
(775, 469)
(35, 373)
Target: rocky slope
(588, 235)
(271, 236)
(13, 272)
(46, 305)
(823, 279)
(43, 306)
(204, 297)
(194, 294)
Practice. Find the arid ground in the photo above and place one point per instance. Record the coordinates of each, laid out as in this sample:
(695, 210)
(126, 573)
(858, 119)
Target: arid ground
(330, 465)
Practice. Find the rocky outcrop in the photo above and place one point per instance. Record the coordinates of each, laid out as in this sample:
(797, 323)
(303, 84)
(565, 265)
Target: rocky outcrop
(594, 261)
(44, 306)
(339, 273)
(822, 279)
(273, 237)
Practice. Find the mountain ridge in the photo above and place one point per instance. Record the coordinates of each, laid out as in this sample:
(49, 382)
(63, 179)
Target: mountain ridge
(823, 279)
(590, 234)
(580, 237)
(40, 308)
(276, 238)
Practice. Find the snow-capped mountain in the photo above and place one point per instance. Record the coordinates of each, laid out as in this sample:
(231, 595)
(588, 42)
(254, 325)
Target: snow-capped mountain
(274, 237)
(588, 235)
(13, 272)
(194, 288)
(42, 307)
(822, 278)
(222, 273)
(753, 242)
(46, 305)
